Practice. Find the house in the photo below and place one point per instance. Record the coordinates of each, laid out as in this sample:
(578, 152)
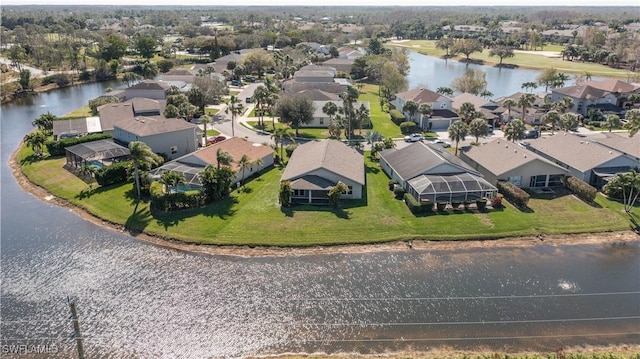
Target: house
(95, 153)
(179, 74)
(316, 166)
(622, 143)
(155, 90)
(329, 87)
(501, 160)
(620, 89)
(534, 112)
(313, 76)
(192, 164)
(321, 119)
(319, 95)
(170, 136)
(492, 111)
(585, 159)
(112, 113)
(423, 96)
(65, 128)
(348, 53)
(430, 172)
(341, 65)
(583, 97)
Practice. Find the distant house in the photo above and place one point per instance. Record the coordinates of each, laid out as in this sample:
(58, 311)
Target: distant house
(501, 160)
(319, 95)
(622, 143)
(583, 97)
(316, 166)
(534, 112)
(424, 96)
(430, 172)
(341, 65)
(585, 159)
(620, 89)
(156, 90)
(492, 111)
(321, 119)
(170, 136)
(348, 53)
(314, 76)
(192, 164)
(329, 87)
(76, 127)
(112, 113)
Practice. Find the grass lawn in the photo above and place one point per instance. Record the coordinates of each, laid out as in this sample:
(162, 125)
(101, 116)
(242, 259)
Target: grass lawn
(83, 111)
(252, 216)
(210, 111)
(530, 61)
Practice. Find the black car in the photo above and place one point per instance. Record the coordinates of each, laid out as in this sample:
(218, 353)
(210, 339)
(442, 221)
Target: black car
(531, 134)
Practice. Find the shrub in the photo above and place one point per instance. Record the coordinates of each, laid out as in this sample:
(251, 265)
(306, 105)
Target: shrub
(467, 203)
(289, 150)
(583, 190)
(169, 202)
(56, 148)
(456, 204)
(397, 117)
(112, 174)
(85, 75)
(398, 192)
(496, 202)
(415, 206)
(481, 204)
(441, 205)
(408, 127)
(392, 184)
(513, 193)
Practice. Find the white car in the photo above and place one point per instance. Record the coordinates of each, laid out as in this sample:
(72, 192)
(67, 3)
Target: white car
(442, 143)
(414, 137)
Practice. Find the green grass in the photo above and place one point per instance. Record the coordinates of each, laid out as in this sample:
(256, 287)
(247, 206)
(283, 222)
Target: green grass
(380, 120)
(530, 61)
(211, 111)
(82, 111)
(252, 215)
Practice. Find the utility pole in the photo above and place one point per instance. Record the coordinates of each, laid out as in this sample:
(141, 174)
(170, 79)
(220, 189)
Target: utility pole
(76, 327)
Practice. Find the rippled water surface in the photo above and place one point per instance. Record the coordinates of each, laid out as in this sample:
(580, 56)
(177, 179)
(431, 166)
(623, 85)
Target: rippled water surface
(138, 300)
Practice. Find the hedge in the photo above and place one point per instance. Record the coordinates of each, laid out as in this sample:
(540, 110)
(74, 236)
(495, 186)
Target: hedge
(56, 148)
(170, 202)
(397, 117)
(112, 174)
(513, 193)
(408, 127)
(580, 188)
(398, 192)
(417, 207)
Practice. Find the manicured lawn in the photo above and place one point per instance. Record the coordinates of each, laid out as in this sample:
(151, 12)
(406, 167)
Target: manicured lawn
(210, 111)
(532, 61)
(252, 216)
(83, 111)
(380, 120)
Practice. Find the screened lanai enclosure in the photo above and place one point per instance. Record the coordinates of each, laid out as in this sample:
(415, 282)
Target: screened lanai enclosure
(190, 172)
(454, 187)
(95, 153)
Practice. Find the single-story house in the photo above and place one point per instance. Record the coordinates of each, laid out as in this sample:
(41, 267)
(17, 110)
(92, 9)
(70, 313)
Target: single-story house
(534, 112)
(156, 90)
(321, 119)
(173, 137)
(492, 111)
(76, 127)
(341, 65)
(316, 166)
(95, 153)
(622, 143)
(430, 172)
(314, 76)
(192, 164)
(585, 159)
(501, 160)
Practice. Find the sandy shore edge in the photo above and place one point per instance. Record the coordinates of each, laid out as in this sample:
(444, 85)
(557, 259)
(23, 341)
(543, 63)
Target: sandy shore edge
(250, 251)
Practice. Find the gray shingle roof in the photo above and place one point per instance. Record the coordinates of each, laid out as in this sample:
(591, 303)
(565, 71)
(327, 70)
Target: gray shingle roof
(420, 96)
(149, 126)
(620, 142)
(331, 155)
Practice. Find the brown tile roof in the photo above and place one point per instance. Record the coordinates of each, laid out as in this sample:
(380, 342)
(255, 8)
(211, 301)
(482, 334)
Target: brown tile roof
(613, 86)
(502, 156)
(578, 152)
(477, 101)
(581, 91)
(331, 155)
(153, 125)
(420, 96)
(236, 147)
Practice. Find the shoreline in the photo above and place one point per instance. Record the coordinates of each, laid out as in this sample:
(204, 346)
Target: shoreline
(619, 237)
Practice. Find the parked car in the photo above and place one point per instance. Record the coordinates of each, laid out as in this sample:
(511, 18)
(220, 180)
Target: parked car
(531, 134)
(236, 83)
(414, 137)
(250, 79)
(442, 143)
(216, 139)
(489, 128)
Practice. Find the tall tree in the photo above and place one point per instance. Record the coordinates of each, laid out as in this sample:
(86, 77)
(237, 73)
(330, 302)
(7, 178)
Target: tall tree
(473, 82)
(146, 46)
(569, 121)
(35, 140)
(529, 85)
(509, 103)
(410, 108)
(466, 47)
(142, 156)
(613, 121)
(551, 118)
(223, 158)
(280, 135)
(330, 109)
(295, 111)
(502, 52)
(44, 123)
(633, 122)
(525, 102)
(514, 130)
(25, 80)
(113, 47)
(445, 91)
(260, 97)
(244, 163)
(205, 120)
(478, 127)
(426, 111)
(467, 111)
(235, 108)
(258, 61)
(458, 131)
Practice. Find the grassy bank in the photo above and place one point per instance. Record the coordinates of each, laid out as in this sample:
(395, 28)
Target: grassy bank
(252, 215)
(521, 60)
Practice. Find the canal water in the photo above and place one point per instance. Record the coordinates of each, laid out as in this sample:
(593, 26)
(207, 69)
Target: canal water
(137, 300)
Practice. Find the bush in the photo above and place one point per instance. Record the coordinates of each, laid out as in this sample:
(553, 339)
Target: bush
(583, 190)
(397, 117)
(85, 76)
(441, 205)
(408, 127)
(169, 202)
(496, 202)
(481, 204)
(289, 150)
(398, 192)
(513, 193)
(112, 174)
(56, 148)
(392, 184)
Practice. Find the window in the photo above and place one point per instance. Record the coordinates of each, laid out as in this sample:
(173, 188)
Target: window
(299, 192)
(516, 180)
(538, 181)
(349, 191)
(174, 150)
(322, 120)
(555, 181)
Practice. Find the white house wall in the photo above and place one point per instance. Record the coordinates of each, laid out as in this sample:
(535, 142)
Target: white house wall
(333, 177)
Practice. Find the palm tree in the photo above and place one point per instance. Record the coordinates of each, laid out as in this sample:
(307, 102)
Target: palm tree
(509, 103)
(45, 123)
(348, 98)
(235, 108)
(204, 119)
(514, 130)
(172, 179)
(633, 122)
(426, 111)
(244, 164)
(35, 140)
(569, 121)
(613, 121)
(529, 85)
(362, 115)
(525, 101)
(628, 185)
(258, 162)
(330, 109)
(467, 111)
(551, 118)
(279, 136)
(260, 96)
(87, 172)
(223, 158)
(457, 132)
(141, 155)
(478, 127)
(443, 90)
(336, 192)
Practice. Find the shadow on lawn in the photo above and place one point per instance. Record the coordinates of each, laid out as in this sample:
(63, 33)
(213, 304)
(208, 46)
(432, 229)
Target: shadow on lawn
(341, 212)
(139, 219)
